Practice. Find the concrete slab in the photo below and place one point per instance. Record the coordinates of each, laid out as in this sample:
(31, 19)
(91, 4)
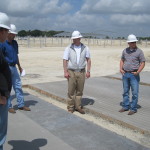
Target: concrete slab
(25, 134)
(103, 96)
(48, 127)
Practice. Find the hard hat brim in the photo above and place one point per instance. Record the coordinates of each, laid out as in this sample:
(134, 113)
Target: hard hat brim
(76, 37)
(12, 32)
(4, 26)
(132, 41)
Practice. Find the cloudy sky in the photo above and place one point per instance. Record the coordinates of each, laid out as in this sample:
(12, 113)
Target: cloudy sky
(108, 17)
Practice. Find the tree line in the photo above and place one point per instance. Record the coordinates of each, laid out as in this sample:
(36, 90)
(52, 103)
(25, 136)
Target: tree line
(38, 33)
(51, 33)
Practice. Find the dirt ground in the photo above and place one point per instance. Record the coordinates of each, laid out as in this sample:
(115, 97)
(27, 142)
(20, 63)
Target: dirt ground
(45, 64)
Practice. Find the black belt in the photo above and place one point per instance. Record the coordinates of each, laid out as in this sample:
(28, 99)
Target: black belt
(77, 70)
(131, 71)
(13, 65)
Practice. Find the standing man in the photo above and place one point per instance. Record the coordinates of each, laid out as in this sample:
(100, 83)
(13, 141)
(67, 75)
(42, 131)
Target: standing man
(131, 64)
(5, 80)
(11, 55)
(74, 62)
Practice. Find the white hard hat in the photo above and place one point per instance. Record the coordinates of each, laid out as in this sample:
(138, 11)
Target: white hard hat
(12, 29)
(76, 35)
(4, 21)
(132, 38)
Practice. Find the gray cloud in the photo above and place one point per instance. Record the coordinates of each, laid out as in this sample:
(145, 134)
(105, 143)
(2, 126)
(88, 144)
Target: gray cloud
(118, 16)
(131, 19)
(39, 8)
(116, 6)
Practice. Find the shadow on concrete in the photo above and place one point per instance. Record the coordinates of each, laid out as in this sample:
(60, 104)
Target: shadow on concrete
(138, 106)
(87, 101)
(28, 103)
(27, 145)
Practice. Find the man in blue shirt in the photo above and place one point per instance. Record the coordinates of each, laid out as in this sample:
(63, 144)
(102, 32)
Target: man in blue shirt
(11, 55)
(5, 80)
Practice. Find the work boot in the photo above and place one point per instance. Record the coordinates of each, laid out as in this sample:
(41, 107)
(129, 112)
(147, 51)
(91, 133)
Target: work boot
(122, 110)
(25, 108)
(70, 109)
(11, 110)
(131, 112)
(80, 110)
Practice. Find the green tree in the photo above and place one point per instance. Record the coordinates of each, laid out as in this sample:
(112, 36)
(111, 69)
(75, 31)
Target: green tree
(36, 33)
(22, 33)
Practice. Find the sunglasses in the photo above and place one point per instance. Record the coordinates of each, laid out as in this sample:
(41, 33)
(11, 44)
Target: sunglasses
(132, 42)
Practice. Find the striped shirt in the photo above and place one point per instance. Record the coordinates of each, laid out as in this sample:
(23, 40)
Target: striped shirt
(132, 59)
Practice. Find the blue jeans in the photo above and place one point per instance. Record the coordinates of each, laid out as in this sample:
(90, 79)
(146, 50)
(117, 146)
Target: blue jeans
(130, 80)
(3, 124)
(17, 86)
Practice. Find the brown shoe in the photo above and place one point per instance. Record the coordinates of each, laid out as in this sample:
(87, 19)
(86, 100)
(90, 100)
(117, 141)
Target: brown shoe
(11, 110)
(25, 108)
(70, 110)
(131, 112)
(80, 110)
(122, 110)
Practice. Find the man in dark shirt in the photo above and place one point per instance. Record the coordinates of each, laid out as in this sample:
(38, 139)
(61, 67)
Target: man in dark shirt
(5, 80)
(131, 64)
(10, 52)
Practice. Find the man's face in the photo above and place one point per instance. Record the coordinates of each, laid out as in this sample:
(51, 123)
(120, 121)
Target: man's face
(11, 36)
(76, 41)
(132, 45)
(4, 34)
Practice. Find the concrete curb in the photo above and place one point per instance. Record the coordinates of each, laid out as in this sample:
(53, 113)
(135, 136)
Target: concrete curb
(92, 112)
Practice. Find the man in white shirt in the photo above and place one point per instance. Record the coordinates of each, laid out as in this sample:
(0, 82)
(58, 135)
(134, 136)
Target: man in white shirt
(75, 58)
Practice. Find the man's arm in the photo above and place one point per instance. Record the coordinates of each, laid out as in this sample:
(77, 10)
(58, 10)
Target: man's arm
(88, 67)
(121, 67)
(19, 66)
(65, 64)
(5, 80)
(142, 65)
(4, 69)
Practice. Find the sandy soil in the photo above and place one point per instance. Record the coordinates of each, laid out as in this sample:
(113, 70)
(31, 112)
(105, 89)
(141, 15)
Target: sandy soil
(45, 64)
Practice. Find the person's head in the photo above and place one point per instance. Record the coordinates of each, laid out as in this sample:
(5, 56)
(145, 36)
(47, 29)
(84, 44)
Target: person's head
(4, 26)
(12, 32)
(132, 41)
(76, 37)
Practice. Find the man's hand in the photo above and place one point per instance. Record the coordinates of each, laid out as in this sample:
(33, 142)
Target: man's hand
(122, 71)
(20, 69)
(135, 73)
(66, 75)
(3, 100)
(87, 74)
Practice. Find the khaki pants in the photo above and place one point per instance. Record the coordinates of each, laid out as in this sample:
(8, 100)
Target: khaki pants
(75, 89)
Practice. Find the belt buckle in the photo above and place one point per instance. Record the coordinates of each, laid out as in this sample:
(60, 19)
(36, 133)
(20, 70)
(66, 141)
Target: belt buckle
(77, 70)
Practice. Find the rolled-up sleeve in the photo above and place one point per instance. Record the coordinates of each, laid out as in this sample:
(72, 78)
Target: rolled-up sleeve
(88, 55)
(66, 54)
(142, 57)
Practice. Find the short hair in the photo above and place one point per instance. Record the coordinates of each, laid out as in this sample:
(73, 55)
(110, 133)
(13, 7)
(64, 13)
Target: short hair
(1, 29)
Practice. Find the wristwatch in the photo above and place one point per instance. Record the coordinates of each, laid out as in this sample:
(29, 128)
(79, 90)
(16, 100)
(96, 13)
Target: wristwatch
(88, 70)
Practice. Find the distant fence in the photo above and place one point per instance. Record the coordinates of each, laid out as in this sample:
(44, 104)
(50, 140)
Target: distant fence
(62, 42)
